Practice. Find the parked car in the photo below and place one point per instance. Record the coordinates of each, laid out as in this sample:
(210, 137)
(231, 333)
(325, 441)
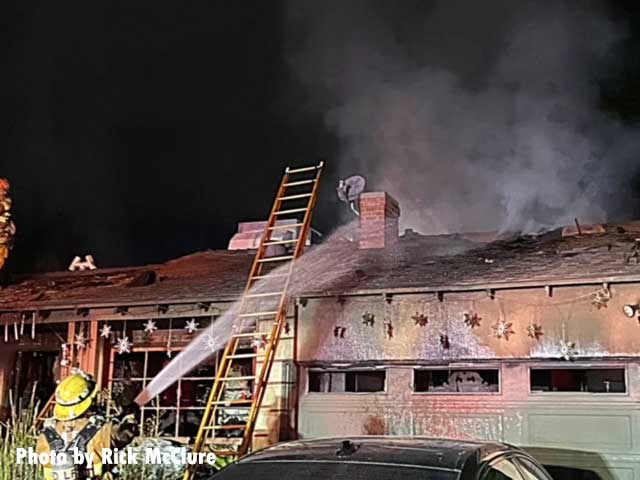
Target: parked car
(386, 458)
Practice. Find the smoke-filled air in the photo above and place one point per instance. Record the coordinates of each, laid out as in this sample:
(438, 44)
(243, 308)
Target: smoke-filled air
(475, 115)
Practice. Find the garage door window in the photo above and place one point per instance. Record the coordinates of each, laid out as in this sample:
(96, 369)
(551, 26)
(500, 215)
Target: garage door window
(355, 381)
(588, 380)
(479, 380)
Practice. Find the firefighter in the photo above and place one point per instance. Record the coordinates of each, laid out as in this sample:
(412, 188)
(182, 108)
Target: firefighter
(77, 424)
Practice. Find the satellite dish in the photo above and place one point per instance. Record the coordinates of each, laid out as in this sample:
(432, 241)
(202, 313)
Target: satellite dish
(349, 190)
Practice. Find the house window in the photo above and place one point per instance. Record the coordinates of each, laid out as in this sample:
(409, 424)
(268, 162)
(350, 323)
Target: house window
(590, 380)
(462, 380)
(177, 411)
(351, 381)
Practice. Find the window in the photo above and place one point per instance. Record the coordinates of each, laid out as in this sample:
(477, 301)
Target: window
(592, 380)
(466, 380)
(354, 381)
(502, 470)
(177, 411)
(531, 471)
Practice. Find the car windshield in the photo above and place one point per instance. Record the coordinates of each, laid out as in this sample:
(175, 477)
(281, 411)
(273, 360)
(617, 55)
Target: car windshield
(330, 470)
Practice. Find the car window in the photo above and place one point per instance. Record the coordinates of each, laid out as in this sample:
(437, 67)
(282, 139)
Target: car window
(530, 470)
(330, 470)
(502, 470)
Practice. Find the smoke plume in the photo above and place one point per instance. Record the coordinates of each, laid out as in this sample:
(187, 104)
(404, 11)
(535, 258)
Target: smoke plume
(475, 115)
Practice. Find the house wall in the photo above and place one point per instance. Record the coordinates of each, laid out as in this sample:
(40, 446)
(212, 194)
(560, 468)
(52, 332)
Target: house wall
(597, 432)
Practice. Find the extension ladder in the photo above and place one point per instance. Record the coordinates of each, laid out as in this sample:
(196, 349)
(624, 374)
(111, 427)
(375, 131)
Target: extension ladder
(264, 300)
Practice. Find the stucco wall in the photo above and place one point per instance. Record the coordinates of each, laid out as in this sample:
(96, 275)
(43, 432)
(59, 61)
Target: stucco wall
(566, 315)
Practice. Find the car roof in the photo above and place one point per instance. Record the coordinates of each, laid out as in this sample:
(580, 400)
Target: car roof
(415, 451)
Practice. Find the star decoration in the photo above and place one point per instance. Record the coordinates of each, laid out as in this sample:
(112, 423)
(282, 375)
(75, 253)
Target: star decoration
(368, 319)
(150, 326)
(420, 319)
(567, 350)
(502, 329)
(105, 331)
(534, 331)
(472, 319)
(192, 326)
(600, 298)
(123, 345)
(80, 340)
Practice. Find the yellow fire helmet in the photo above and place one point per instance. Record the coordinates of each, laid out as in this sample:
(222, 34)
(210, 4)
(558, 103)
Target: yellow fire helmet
(74, 396)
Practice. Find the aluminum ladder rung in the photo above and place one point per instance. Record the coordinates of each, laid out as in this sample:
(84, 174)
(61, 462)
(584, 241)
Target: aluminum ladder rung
(238, 379)
(292, 210)
(264, 313)
(260, 295)
(286, 227)
(281, 242)
(299, 182)
(302, 169)
(243, 355)
(275, 259)
(295, 197)
(269, 276)
(251, 334)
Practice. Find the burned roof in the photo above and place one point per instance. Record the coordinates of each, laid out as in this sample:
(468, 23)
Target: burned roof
(338, 266)
(208, 275)
(461, 262)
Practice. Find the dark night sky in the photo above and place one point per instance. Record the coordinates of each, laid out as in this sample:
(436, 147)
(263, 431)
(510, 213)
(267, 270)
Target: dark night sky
(141, 131)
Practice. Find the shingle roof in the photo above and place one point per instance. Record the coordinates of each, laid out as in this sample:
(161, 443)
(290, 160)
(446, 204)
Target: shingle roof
(339, 267)
(207, 275)
(455, 262)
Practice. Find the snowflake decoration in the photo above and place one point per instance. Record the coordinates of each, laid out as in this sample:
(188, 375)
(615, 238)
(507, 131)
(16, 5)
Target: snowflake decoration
(80, 340)
(420, 319)
(368, 319)
(210, 343)
(502, 329)
(472, 319)
(150, 326)
(534, 331)
(105, 331)
(567, 350)
(192, 326)
(123, 345)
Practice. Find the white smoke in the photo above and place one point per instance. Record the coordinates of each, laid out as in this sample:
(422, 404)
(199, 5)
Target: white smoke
(474, 115)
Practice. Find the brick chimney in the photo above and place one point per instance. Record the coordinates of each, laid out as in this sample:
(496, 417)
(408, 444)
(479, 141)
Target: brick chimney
(379, 214)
